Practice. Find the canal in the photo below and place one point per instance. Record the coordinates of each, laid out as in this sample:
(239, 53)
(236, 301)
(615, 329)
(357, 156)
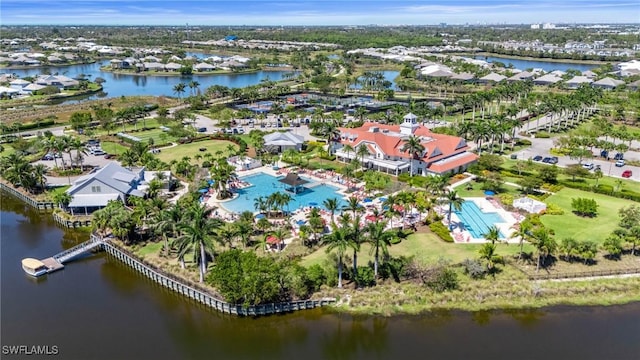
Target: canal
(97, 308)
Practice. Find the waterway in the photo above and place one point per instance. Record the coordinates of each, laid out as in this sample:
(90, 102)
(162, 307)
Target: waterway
(117, 85)
(547, 66)
(97, 308)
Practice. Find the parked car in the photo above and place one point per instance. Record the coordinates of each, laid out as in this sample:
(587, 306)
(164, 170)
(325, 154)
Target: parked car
(604, 154)
(202, 129)
(547, 160)
(537, 158)
(240, 131)
(627, 174)
(48, 157)
(99, 153)
(620, 163)
(109, 156)
(588, 166)
(618, 156)
(597, 168)
(554, 160)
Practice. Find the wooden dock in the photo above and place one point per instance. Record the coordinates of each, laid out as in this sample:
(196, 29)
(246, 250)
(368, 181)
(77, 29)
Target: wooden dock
(52, 264)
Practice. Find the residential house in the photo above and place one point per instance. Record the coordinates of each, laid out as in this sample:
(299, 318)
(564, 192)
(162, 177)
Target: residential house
(443, 154)
(172, 67)
(634, 85)
(203, 66)
(548, 79)
(576, 81)
(18, 84)
(491, 78)
(59, 81)
(607, 83)
(521, 76)
(463, 77)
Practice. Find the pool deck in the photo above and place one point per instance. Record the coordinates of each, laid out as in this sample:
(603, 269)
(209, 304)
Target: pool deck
(488, 206)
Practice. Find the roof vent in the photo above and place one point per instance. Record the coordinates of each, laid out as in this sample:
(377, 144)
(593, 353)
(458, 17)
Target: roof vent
(374, 129)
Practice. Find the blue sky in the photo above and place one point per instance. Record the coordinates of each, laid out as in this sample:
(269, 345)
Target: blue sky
(321, 12)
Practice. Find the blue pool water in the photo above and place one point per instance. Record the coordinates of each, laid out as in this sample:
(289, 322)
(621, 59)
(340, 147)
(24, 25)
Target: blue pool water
(265, 184)
(476, 221)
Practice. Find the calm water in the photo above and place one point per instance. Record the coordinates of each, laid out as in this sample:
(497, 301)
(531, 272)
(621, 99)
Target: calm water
(537, 64)
(265, 185)
(476, 221)
(117, 85)
(97, 308)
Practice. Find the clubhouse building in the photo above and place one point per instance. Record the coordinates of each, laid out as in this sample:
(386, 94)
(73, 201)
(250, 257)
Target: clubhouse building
(443, 154)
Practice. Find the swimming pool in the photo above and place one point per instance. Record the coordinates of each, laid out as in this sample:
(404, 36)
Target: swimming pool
(265, 185)
(476, 221)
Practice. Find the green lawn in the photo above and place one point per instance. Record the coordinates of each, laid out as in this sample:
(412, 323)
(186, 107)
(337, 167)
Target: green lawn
(8, 149)
(425, 246)
(113, 148)
(593, 229)
(192, 149)
(149, 248)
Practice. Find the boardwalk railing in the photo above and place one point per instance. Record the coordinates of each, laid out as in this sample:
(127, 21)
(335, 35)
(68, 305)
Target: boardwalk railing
(46, 205)
(581, 274)
(71, 223)
(202, 296)
(79, 249)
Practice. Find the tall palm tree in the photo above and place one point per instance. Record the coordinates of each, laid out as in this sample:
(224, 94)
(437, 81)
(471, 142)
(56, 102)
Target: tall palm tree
(198, 233)
(38, 172)
(179, 89)
(362, 151)
(544, 243)
(414, 148)
(380, 240)
(455, 202)
(331, 204)
(347, 149)
(193, 86)
(523, 232)
(353, 205)
(338, 241)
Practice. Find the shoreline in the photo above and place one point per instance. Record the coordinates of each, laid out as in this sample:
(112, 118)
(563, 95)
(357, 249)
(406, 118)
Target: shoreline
(519, 294)
(178, 74)
(27, 67)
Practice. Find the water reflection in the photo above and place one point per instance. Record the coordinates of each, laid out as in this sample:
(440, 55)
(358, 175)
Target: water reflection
(356, 336)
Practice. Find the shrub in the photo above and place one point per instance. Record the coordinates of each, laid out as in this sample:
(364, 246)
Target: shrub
(316, 277)
(474, 268)
(394, 268)
(553, 209)
(365, 276)
(441, 230)
(441, 278)
(506, 199)
(542, 135)
(525, 142)
(584, 207)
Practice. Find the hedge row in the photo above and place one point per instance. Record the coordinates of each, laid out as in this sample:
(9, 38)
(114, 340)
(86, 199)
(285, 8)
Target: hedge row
(603, 189)
(441, 230)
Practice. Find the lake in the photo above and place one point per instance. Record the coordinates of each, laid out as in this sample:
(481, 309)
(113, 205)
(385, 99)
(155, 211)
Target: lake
(547, 66)
(117, 85)
(97, 308)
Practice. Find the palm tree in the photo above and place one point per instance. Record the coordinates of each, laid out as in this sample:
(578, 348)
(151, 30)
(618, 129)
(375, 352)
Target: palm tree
(193, 85)
(62, 198)
(353, 205)
(455, 202)
(331, 205)
(179, 89)
(380, 240)
(346, 148)
(523, 231)
(76, 144)
(544, 243)
(38, 172)
(279, 234)
(412, 146)
(338, 241)
(197, 233)
(492, 234)
(488, 253)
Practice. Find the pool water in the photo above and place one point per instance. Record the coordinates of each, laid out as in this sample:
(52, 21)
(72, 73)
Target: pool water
(265, 185)
(476, 221)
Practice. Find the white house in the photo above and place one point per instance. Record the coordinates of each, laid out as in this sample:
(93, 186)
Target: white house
(281, 141)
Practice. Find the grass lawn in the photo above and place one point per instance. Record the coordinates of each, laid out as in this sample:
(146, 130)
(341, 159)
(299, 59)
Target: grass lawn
(113, 148)
(593, 229)
(149, 248)
(425, 246)
(476, 190)
(191, 149)
(8, 150)
(155, 134)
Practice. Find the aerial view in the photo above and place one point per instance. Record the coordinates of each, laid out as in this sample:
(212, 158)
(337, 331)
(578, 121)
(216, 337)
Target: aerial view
(319, 179)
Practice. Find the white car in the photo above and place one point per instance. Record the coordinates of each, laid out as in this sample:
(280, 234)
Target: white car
(588, 166)
(620, 163)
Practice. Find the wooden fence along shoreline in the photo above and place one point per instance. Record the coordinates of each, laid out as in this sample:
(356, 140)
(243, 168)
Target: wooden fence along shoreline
(200, 295)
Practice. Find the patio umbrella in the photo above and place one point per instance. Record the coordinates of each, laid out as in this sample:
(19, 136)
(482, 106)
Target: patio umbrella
(489, 193)
(272, 240)
(382, 199)
(260, 216)
(203, 191)
(367, 200)
(301, 222)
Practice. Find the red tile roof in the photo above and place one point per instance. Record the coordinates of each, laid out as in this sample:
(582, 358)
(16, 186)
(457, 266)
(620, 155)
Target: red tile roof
(453, 163)
(446, 145)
